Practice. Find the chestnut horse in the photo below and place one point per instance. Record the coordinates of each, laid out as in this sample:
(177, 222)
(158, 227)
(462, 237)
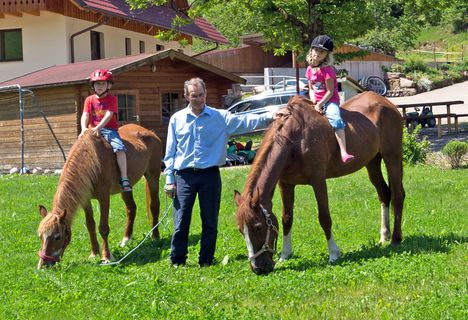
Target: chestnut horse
(91, 172)
(302, 149)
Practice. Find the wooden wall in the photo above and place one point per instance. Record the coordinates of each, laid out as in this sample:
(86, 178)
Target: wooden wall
(250, 59)
(63, 107)
(40, 148)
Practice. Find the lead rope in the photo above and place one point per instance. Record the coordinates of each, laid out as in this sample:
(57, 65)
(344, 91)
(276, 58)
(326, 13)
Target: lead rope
(146, 236)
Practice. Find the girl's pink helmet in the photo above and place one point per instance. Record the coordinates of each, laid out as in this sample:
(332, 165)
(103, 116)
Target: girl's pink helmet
(100, 75)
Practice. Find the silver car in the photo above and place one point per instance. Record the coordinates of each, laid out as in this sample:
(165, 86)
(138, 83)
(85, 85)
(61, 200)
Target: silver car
(263, 102)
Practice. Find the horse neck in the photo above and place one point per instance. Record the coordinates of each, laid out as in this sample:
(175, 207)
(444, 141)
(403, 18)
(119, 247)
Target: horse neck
(267, 173)
(79, 175)
(68, 198)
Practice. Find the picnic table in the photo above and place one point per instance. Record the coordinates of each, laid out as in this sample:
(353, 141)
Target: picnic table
(439, 116)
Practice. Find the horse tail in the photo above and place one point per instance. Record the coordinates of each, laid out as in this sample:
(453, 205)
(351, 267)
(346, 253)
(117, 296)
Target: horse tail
(152, 174)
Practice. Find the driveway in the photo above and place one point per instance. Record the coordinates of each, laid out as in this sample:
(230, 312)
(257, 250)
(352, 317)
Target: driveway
(458, 91)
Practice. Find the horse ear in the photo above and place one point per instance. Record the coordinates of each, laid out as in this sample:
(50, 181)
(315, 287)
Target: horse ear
(42, 211)
(255, 201)
(237, 198)
(62, 214)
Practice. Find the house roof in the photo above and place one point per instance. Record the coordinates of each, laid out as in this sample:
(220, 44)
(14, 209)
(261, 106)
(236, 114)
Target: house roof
(77, 73)
(160, 16)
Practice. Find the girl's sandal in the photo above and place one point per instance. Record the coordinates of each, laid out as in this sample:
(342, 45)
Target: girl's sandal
(125, 184)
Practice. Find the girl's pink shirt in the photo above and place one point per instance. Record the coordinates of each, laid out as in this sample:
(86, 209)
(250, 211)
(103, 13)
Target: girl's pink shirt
(319, 86)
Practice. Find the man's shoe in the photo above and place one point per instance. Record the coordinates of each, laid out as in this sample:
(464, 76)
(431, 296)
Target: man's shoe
(177, 264)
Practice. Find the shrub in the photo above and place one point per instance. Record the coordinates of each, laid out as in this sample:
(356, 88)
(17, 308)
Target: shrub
(455, 151)
(414, 150)
(414, 63)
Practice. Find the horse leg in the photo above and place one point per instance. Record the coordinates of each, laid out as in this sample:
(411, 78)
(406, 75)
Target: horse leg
(152, 200)
(131, 207)
(394, 166)
(374, 171)
(320, 190)
(91, 226)
(287, 195)
(104, 201)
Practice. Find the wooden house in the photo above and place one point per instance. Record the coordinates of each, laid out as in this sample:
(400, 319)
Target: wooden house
(36, 34)
(149, 88)
(251, 60)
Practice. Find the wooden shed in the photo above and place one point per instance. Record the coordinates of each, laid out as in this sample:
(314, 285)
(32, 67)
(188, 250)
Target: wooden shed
(149, 88)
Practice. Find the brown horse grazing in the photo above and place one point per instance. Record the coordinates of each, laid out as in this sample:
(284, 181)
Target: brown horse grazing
(302, 149)
(91, 172)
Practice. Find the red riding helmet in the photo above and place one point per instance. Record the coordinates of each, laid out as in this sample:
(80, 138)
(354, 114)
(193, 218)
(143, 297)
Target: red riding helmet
(100, 75)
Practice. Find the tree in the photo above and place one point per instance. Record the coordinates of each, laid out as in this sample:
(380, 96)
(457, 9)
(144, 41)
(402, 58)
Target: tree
(290, 25)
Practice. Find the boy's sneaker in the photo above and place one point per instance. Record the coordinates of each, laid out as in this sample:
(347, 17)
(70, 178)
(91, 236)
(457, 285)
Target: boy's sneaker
(125, 184)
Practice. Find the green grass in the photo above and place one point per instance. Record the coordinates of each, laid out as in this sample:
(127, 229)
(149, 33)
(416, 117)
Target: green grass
(443, 40)
(423, 278)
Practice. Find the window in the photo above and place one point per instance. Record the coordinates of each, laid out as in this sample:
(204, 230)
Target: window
(171, 102)
(11, 45)
(142, 47)
(159, 47)
(97, 45)
(128, 46)
(127, 107)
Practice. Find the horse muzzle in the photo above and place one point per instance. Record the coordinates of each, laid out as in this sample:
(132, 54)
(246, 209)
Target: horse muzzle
(262, 268)
(46, 261)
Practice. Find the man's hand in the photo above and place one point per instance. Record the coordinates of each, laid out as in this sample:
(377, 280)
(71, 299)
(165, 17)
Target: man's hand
(170, 190)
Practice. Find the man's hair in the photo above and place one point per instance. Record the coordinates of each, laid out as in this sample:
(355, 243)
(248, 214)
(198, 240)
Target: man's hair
(194, 82)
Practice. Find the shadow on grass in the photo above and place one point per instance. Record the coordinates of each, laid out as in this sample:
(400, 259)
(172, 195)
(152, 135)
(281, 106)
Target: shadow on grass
(149, 251)
(412, 245)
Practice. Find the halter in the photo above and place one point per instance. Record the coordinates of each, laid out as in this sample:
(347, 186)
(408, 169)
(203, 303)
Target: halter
(47, 258)
(266, 246)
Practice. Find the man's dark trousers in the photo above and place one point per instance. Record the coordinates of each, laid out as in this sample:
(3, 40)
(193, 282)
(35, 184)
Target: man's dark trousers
(207, 184)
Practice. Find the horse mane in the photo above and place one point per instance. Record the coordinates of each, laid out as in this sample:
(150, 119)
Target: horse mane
(79, 174)
(281, 131)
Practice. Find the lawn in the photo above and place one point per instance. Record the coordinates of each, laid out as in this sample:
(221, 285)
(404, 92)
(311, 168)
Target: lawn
(426, 277)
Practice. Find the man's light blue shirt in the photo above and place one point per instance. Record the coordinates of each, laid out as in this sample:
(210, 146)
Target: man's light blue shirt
(201, 141)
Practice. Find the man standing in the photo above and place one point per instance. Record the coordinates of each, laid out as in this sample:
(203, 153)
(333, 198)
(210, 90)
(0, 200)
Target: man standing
(196, 147)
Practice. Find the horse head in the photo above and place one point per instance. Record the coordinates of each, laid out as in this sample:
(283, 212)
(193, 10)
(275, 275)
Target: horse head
(260, 230)
(55, 235)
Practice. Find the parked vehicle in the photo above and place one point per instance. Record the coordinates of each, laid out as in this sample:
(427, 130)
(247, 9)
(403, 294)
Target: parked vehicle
(424, 118)
(289, 84)
(263, 102)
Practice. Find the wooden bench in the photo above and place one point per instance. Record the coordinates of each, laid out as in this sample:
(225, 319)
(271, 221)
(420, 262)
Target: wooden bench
(439, 118)
(456, 120)
(448, 115)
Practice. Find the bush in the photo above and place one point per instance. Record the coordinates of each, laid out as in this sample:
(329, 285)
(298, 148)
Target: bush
(414, 150)
(414, 63)
(455, 151)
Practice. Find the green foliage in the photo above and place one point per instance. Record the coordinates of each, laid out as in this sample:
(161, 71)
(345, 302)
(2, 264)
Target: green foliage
(415, 150)
(414, 63)
(455, 151)
(423, 278)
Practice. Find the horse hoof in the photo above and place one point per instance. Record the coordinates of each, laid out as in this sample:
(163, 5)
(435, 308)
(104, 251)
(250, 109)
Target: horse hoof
(334, 257)
(124, 241)
(92, 256)
(285, 256)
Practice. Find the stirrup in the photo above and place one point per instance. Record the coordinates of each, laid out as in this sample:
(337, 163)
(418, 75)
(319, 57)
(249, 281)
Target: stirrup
(125, 184)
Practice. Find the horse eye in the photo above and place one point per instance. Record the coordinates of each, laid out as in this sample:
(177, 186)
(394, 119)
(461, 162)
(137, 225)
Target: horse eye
(57, 237)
